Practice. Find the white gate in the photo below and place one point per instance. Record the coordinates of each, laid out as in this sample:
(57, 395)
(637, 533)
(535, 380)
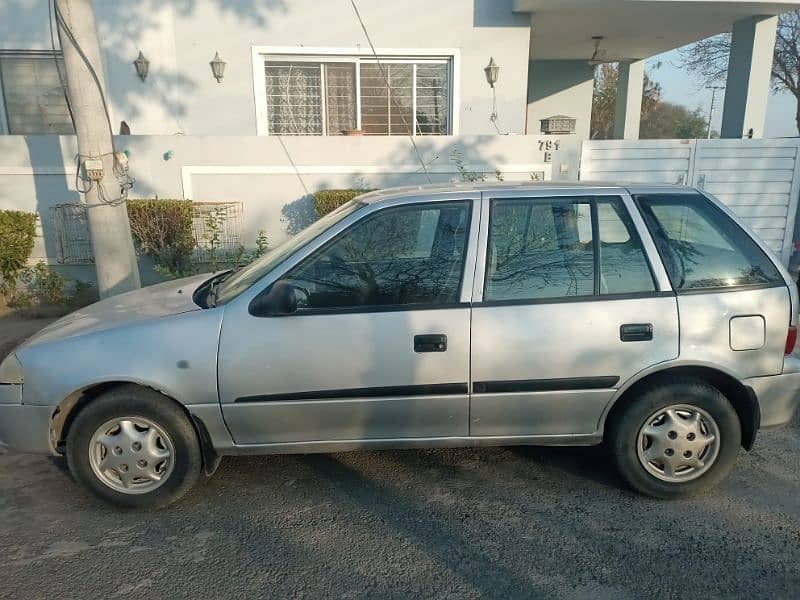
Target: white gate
(758, 179)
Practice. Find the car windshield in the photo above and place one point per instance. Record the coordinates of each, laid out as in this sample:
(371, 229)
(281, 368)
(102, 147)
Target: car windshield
(238, 281)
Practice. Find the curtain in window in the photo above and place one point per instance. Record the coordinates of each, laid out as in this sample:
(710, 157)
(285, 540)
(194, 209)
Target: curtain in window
(294, 98)
(340, 97)
(34, 97)
(433, 104)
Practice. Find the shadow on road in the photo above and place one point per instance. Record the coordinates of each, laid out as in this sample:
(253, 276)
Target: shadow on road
(589, 463)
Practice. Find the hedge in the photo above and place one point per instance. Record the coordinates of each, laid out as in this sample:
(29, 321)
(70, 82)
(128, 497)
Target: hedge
(326, 201)
(17, 231)
(162, 229)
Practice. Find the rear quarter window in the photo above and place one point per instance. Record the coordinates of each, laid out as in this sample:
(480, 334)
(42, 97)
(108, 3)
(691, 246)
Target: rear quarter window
(701, 246)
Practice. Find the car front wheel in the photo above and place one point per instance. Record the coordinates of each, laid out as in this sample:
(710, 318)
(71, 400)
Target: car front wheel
(134, 447)
(677, 437)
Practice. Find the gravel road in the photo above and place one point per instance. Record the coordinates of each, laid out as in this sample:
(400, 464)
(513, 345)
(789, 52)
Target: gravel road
(505, 522)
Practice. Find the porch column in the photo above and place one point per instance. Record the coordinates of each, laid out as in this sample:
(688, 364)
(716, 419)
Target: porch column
(749, 73)
(630, 88)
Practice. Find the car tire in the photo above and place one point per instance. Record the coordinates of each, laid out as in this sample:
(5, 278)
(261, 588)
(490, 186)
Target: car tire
(135, 448)
(660, 439)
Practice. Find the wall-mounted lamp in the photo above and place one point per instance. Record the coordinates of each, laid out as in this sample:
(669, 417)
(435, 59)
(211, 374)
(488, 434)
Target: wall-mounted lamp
(218, 67)
(492, 70)
(142, 66)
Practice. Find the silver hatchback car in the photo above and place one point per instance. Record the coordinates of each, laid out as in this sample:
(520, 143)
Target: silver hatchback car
(644, 317)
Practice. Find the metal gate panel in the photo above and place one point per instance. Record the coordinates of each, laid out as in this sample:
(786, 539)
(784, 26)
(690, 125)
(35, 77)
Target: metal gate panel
(758, 179)
(636, 161)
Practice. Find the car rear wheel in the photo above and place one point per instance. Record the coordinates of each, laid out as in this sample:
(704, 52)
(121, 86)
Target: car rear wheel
(133, 447)
(676, 438)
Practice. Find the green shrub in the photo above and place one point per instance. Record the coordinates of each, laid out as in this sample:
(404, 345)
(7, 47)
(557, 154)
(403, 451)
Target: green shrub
(262, 245)
(162, 229)
(42, 285)
(17, 230)
(41, 292)
(83, 294)
(326, 201)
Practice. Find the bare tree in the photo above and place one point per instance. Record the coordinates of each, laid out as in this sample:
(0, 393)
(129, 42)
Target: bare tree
(786, 62)
(604, 100)
(708, 59)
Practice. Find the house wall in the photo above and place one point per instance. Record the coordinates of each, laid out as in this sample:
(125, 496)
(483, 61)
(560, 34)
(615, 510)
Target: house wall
(560, 87)
(38, 172)
(180, 37)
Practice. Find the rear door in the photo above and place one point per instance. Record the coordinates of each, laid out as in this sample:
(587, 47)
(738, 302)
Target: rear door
(567, 307)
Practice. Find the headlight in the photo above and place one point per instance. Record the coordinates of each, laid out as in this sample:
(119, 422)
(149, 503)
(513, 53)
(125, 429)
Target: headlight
(11, 370)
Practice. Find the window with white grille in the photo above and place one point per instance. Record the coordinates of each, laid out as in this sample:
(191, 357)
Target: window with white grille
(344, 94)
(33, 95)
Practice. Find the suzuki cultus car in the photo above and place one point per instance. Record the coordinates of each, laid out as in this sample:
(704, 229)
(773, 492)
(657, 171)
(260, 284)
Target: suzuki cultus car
(646, 318)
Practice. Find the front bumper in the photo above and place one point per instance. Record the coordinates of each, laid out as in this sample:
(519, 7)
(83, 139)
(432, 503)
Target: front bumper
(23, 428)
(778, 395)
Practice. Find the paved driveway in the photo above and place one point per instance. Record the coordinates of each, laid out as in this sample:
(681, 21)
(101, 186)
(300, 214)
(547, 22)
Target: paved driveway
(507, 522)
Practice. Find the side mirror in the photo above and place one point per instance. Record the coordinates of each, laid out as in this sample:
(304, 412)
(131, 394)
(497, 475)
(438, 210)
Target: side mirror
(279, 299)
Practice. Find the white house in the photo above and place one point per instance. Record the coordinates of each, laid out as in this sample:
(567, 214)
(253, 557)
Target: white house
(284, 54)
(303, 104)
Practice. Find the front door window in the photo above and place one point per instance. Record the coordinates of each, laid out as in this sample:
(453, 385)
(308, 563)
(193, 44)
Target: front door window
(402, 256)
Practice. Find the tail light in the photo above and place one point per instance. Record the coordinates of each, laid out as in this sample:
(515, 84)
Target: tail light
(791, 339)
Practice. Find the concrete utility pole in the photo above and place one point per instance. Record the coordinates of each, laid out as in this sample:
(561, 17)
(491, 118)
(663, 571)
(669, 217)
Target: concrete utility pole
(112, 243)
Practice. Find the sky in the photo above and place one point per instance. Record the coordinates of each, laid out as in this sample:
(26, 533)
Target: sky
(681, 88)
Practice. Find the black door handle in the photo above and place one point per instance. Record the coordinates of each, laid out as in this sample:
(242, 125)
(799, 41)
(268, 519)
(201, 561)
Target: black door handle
(636, 332)
(434, 342)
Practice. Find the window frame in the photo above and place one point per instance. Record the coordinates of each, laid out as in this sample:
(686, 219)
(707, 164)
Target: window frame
(308, 253)
(3, 115)
(661, 284)
(412, 56)
(52, 55)
(725, 214)
(4, 128)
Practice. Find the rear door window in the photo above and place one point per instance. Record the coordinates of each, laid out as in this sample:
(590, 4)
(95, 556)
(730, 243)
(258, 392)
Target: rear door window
(624, 268)
(701, 246)
(554, 248)
(539, 249)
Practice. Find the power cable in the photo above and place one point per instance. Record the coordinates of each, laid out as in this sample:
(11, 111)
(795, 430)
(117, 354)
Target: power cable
(61, 80)
(294, 166)
(296, 130)
(389, 91)
(61, 21)
(123, 178)
(493, 116)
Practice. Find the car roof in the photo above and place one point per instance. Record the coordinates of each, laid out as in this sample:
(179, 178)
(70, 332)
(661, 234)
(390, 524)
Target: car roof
(434, 189)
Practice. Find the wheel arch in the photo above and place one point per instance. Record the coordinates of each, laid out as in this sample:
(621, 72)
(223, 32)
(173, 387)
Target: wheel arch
(65, 412)
(742, 397)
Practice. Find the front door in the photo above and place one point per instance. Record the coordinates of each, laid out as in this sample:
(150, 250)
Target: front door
(378, 348)
(569, 309)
